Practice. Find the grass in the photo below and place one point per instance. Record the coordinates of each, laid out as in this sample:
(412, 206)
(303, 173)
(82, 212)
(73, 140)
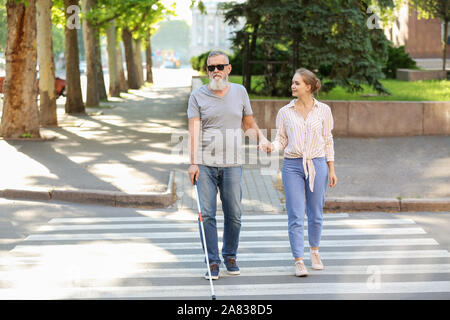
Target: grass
(429, 90)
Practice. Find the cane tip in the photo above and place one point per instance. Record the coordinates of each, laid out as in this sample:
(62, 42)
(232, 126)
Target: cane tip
(214, 297)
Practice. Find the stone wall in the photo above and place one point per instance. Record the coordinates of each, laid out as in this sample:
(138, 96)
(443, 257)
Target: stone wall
(418, 75)
(371, 118)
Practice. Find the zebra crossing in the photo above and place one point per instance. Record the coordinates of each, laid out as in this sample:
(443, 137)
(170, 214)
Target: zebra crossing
(158, 255)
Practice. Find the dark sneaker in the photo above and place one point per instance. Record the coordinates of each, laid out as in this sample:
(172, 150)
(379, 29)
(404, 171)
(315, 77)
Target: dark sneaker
(214, 268)
(231, 265)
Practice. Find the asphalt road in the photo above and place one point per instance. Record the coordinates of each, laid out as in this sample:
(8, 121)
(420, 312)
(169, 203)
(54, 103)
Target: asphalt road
(51, 251)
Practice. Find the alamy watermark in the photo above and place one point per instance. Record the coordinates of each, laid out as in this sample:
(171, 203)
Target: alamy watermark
(73, 18)
(374, 280)
(373, 22)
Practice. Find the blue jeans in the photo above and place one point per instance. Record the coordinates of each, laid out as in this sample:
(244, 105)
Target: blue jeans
(228, 180)
(299, 199)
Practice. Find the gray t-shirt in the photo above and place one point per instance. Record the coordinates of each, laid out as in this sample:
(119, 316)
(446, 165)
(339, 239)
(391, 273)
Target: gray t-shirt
(221, 132)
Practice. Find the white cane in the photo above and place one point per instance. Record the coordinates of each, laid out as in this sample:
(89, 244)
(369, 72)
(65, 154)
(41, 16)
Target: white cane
(213, 296)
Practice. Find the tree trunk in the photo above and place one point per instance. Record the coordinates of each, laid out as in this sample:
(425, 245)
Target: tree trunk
(100, 76)
(133, 82)
(250, 53)
(92, 95)
(444, 49)
(47, 90)
(123, 83)
(138, 60)
(74, 97)
(149, 62)
(114, 87)
(20, 111)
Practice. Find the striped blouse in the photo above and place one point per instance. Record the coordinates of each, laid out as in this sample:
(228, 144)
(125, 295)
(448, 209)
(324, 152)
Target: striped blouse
(307, 139)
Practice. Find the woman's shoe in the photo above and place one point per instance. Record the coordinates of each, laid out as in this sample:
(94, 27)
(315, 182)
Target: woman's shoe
(300, 269)
(316, 263)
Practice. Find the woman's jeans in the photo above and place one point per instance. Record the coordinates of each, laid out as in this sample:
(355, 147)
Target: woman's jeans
(299, 199)
(228, 180)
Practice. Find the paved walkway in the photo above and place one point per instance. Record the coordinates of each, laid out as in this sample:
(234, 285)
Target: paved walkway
(432, 64)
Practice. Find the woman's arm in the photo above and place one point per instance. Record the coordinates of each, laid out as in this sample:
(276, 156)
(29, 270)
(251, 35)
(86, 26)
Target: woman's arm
(329, 147)
(281, 140)
(331, 174)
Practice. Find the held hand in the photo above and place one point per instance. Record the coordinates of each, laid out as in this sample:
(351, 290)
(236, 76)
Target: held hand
(333, 179)
(193, 172)
(266, 145)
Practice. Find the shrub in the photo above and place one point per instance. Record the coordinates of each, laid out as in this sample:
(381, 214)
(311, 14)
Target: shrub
(398, 58)
(199, 62)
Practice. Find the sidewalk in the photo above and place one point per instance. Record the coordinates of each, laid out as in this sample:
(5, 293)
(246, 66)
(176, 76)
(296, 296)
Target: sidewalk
(125, 154)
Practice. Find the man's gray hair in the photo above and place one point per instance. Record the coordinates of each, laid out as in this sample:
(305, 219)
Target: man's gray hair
(217, 53)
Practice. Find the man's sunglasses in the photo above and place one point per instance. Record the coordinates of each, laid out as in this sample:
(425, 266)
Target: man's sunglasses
(219, 67)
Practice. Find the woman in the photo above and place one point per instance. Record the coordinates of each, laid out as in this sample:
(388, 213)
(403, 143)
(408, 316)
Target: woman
(304, 133)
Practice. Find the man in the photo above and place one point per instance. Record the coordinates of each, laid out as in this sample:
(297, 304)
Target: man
(216, 112)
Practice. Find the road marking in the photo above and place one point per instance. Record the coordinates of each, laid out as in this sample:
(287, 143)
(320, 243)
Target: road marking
(179, 217)
(158, 255)
(48, 228)
(39, 249)
(195, 234)
(197, 291)
(122, 273)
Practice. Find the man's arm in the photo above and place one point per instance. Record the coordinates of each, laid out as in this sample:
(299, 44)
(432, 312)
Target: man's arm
(252, 129)
(194, 140)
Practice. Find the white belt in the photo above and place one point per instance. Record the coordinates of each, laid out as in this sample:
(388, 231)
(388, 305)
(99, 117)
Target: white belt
(308, 167)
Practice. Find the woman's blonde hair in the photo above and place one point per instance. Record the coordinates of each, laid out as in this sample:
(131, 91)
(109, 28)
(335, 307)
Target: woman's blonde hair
(309, 78)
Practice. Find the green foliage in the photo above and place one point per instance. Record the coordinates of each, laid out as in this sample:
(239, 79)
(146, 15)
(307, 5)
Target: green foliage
(26, 135)
(332, 36)
(398, 58)
(139, 16)
(428, 9)
(429, 90)
(58, 39)
(2, 26)
(199, 62)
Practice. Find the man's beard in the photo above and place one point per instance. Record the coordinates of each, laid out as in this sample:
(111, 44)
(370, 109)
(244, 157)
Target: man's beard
(218, 85)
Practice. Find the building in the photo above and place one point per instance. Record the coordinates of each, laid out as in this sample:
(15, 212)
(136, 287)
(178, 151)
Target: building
(422, 38)
(209, 31)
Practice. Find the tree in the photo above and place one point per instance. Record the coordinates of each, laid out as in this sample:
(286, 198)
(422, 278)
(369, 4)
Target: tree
(47, 90)
(114, 85)
(132, 76)
(148, 60)
(20, 116)
(135, 19)
(332, 39)
(74, 98)
(92, 90)
(436, 9)
(253, 12)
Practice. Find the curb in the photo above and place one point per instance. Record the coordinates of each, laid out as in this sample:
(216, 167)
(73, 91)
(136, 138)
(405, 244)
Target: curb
(167, 198)
(100, 197)
(387, 204)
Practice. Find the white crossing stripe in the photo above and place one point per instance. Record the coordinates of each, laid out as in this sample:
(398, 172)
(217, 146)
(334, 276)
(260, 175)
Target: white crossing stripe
(158, 255)
(179, 217)
(98, 268)
(197, 291)
(361, 222)
(122, 273)
(195, 234)
(242, 245)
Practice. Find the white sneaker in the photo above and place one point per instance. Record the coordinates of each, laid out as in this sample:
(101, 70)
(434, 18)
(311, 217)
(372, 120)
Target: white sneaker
(316, 263)
(300, 269)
